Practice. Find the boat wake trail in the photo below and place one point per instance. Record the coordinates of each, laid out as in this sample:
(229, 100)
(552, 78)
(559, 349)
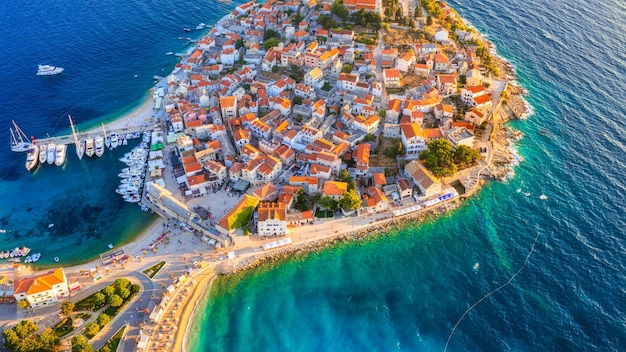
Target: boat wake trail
(532, 249)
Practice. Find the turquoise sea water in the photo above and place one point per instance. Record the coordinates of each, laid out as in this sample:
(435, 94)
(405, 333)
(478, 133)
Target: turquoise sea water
(407, 290)
(102, 46)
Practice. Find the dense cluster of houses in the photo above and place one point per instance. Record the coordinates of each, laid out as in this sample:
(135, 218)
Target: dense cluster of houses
(233, 116)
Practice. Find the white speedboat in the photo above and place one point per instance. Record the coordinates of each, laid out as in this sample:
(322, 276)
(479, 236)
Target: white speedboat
(32, 158)
(47, 70)
(89, 147)
(52, 151)
(19, 140)
(134, 198)
(124, 141)
(99, 146)
(60, 154)
(25, 250)
(114, 140)
(35, 257)
(43, 154)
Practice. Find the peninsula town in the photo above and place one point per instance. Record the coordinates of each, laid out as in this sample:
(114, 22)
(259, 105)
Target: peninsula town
(285, 127)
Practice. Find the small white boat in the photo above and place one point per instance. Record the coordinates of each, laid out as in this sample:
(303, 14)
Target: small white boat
(110, 246)
(19, 140)
(47, 70)
(201, 25)
(186, 29)
(124, 141)
(169, 53)
(543, 197)
(25, 250)
(114, 140)
(60, 154)
(99, 141)
(56, 259)
(89, 147)
(52, 151)
(43, 154)
(134, 198)
(35, 257)
(32, 158)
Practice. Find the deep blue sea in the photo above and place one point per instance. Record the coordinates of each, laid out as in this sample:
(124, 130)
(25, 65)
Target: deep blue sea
(400, 291)
(102, 45)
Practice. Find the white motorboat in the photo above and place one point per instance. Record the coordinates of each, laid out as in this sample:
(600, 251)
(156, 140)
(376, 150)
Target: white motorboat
(25, 250)
(32, 158)
(19, 140)
(114, 140)
(48, 70)
(80, 148)
(43, 154)
(99, 146)
(89, 147)
(169, 53)
(124, 141)
(52, 151)
(60, 154)
(134, 198)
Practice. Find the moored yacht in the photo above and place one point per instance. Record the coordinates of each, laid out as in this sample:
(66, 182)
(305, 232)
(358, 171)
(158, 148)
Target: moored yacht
(43, 154)
(52, 151)
(19, 140)
(114, 140)
(32, 157)
(60, 154)
(89, 147)
(99, 146)
(80, 148)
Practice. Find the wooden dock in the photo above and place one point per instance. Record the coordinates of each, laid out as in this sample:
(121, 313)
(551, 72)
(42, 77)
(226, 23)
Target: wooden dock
(68, 139)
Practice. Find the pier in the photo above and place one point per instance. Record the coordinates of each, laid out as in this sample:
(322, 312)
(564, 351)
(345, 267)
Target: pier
(67, 139)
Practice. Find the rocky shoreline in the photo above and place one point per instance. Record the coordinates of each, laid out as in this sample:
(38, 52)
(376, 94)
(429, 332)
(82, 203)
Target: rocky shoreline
(375, 229)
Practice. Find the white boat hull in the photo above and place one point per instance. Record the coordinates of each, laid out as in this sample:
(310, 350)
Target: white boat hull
(52, 150)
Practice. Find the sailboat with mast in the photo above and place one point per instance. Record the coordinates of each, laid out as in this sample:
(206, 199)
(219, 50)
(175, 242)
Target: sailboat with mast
(80, 148)
(19, 140)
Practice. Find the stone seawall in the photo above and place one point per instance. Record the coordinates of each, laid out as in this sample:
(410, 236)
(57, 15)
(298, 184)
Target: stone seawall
(244, 263)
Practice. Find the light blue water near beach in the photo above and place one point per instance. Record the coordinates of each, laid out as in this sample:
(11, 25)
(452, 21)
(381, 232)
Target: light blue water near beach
(102, 46)
(406, 291)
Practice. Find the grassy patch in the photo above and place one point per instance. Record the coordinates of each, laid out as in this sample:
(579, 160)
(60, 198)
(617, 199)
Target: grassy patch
(153, 270)
(114, 341)
(323, 213)
(63, 327)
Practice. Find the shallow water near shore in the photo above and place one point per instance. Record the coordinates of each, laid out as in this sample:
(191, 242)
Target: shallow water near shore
(407, 291)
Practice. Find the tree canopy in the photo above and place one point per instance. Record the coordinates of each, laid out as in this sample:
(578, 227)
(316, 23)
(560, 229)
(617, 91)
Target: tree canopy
(80, 344)
(465, 155)
(328, 203)
(269, 43)
(439, 158)
(350, 200)
(23, 338)
(339, 10)
(103, 319)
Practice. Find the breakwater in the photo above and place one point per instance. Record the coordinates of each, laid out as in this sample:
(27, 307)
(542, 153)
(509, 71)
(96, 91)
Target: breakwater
(385, 226)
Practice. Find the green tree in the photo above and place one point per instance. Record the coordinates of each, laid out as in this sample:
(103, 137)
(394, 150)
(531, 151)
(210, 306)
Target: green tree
(326, 21)
(115, 301)
(350, 200)
(297, 18)
(327, 203)
(272, 42)
(103, 319)
(99, 299)
(91, 329)
(48, 340)
(347, 68)
(122, 282)
(388, 12)
(123, 292)
(300, 200)
(239, 43)
(297, 100)
(108, 291)
(395, 149)
(398, 13)
(339, 10)
(438, 158)
(270, 33)
(104, 348)
(418, 11)
(80, 344)
(134, 288)
(23, 304)
(429, 20)
(383, 114)
(369, 137)
(344, 176)
(67, 308)
(25, 328)
(326, 86)
(464, 155)
(11, 340)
